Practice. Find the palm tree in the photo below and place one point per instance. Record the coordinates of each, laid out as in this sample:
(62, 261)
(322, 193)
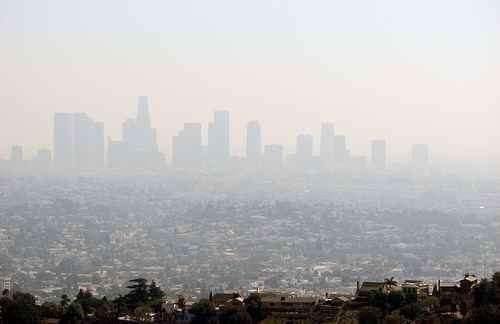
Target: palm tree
(389, 283)
(65, 301)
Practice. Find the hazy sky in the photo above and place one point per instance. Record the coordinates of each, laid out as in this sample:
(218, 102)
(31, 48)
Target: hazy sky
(407, 71)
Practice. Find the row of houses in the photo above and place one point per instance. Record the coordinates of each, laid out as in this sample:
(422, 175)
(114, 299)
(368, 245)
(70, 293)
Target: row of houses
(454, 297)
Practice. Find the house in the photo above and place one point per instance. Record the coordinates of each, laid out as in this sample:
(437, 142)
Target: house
(289, 307)
(224, 299)
(417, 289)
(363, 292)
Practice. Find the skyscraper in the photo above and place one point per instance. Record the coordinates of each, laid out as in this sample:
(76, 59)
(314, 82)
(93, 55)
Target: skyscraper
(273, 157)
(219, 137)
(143, 117)
(186, 146)
(78, 142)
(326, 149)
(340, 153)
(88, 143)
(254, 140)
(138, 148)
(64, 149)
(379, 154)
(304, 150)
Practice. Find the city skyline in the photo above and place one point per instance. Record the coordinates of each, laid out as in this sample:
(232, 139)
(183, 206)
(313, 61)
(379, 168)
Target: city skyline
(79, 144)
(372, 68)
(78, 139)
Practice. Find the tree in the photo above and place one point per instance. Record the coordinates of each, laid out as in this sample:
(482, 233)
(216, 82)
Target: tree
(377, 298)
(484, 293)
(138, 294)
(393, 319)
(390, 282)
(142, 313)
(181, 302)
(395, 299)
(430, 303)
(369, 315)
(155, 293)
(411, 311)
(234, 315)
(21, 309)
(203, 311)
(51, 310)
(65, 301)
(88, 302)
(254, 308)
(486, 314)
(73, 313)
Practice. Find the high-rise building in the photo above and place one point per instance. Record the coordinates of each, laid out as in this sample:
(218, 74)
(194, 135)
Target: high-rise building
(78, 142)
(138, 148)
(273, 156)
(16, 154)
(340, 152)
(64, 141)
(420, 155)
(88, 143)
(219, 137)
(254, 140)
(187, 147)
(143, 117)
(304, 149)
(326, 150)
(379, 154)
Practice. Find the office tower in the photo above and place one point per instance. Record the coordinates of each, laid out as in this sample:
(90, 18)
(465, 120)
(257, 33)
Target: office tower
(137, 132)
(64, 149)
(186, 146)
(16, 154)
(379, 154)
(340, 152)
(143, 117)
(327, 143)
(138, 148)
(420, 155)
(88, 143)
(219, 137)
(254, 140)
(273, 156)
(78, 142)
(304, 150)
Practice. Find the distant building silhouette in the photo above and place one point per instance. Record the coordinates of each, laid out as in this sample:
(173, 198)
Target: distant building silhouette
(379, 154)
(186, 146)
(78, 143)
(340, 152)
(254, 141)
(273, 157)
(304, 150)
(138, 148)
(219, 137)
(64, 141)
(326, 149)
(88, 143)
